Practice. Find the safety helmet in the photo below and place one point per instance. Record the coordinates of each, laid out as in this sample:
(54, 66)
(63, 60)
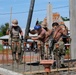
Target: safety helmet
(14, 22)
(37, 27)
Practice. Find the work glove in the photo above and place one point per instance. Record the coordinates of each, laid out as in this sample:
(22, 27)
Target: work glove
(29, 30)
(21, 39)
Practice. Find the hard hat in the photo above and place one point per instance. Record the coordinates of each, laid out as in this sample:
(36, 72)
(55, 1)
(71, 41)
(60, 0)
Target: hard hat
(14, 22)
(37, 27)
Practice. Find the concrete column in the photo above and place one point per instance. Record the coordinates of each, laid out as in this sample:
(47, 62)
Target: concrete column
(49, 16)
(73, 28)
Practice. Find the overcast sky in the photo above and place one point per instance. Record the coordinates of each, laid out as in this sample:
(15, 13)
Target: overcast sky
(20, 10)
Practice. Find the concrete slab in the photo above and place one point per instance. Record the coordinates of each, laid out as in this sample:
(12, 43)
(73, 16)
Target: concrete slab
(8, 72)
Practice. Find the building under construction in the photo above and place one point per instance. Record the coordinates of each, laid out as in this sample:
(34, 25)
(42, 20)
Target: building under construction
(32, 62)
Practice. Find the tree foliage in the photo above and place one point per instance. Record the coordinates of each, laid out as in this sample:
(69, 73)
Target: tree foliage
(65, 18)
(3, 29)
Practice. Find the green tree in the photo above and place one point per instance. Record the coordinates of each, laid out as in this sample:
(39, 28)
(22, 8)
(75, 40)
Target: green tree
(3, 29)
(40, 22)
(65, 18)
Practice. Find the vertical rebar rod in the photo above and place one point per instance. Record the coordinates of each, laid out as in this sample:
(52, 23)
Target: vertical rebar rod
(68, 64)
(3, 53)
(17, 56)
(12, 44)
(57, 59)
(39, 47)
(7, 52)
(30, 59)
(47, 46)
(18, 67)
(25, 56)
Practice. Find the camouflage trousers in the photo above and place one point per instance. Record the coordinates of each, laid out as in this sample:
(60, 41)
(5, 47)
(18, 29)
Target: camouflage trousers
(16, 46)
(16, 49)
(44, 50)
(59, 53)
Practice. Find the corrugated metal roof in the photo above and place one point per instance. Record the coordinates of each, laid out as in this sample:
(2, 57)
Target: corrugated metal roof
(4, 37)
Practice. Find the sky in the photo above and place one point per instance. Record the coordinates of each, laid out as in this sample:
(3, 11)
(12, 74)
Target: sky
(20, 10)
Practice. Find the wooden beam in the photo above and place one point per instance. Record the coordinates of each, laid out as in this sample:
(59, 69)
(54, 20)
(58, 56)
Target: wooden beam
(52, 70)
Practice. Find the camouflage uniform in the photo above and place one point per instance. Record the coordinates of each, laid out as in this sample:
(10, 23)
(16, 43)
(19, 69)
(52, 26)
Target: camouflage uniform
(62, 51)
(15, 32)
(41, 49)
(51, 45)
(59, 52)
(16, 48)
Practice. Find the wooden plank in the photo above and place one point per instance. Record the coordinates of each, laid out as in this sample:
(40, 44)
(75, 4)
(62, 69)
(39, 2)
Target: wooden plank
(52, 70)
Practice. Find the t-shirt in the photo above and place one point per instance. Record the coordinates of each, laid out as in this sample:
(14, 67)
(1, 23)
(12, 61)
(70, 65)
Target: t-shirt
(15, 31)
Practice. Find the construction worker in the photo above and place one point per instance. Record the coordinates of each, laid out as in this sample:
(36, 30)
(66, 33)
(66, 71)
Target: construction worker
(40, 31)
(15, 34)
(61, 30)
(50, 33)
(56, 33)
(41, 38)
(59, 53)
(49, 36)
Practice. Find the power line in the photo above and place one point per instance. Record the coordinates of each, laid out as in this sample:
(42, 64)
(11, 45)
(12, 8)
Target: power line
(34, 11)
(61, 7)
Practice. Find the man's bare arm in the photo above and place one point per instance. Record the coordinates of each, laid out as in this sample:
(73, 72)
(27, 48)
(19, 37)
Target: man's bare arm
(32, 31)
(56, 31)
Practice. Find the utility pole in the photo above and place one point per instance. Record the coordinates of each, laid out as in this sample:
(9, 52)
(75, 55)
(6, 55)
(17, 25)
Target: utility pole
(29, 19)
(10, 25)
(49, 16)
(73, 27)
(10, 16)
